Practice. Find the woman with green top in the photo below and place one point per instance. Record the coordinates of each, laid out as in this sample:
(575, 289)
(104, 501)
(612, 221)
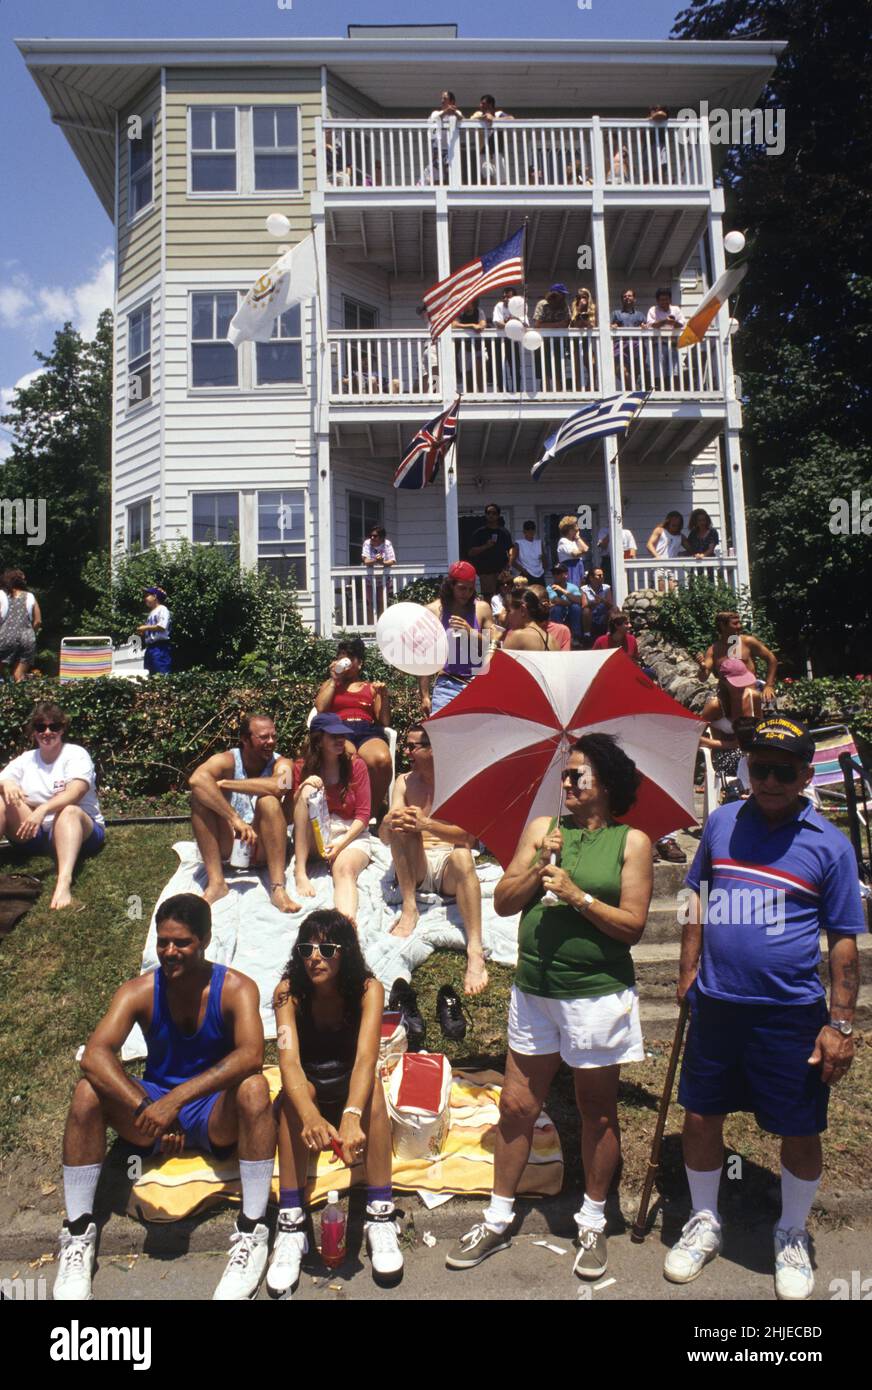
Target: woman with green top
(573, 998)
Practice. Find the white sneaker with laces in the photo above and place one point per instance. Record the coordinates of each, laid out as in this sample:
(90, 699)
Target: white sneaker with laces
(75, 1266)
(382, 1240)
(794, 1279)
(699, 1242)
(249, 1251)
(291, 1245)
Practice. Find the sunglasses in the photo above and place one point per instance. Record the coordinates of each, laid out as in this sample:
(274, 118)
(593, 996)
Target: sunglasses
(48, 728)
(326, 949)
(578, 776)
(413, 746)
(780, 771)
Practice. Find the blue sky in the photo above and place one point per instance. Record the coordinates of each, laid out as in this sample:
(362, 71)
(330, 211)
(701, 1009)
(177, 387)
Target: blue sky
(56, 250)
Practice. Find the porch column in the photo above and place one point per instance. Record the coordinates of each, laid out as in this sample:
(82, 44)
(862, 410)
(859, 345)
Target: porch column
(737, 491)
(616, 524)
(448, 380)
(603, 296)
(320, 377)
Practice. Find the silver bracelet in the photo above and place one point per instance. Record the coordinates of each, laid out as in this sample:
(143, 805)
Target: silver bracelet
(353, 1110)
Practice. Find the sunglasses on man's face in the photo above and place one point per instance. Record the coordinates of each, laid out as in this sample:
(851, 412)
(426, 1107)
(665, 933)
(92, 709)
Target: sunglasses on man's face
(326, 949)
(48, 728)
(782, 772)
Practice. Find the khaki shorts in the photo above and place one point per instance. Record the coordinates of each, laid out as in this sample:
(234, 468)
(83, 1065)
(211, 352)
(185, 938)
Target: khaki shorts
(436, 860)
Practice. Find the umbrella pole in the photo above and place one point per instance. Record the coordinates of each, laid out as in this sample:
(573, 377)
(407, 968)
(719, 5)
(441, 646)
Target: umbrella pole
(548, 896)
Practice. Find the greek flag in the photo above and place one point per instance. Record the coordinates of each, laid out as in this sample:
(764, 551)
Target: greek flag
(612, 416)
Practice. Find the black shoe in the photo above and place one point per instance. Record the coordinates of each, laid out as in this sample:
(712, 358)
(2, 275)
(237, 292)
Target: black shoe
(404, 999)
(449, 1012)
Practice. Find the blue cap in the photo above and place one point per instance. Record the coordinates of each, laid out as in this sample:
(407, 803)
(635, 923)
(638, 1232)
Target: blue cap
(329, 724)
(158, 593)
(558, 289)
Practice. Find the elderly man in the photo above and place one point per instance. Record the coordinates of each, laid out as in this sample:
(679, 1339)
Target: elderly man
(770, 875)
(245, 795)
(432, 855)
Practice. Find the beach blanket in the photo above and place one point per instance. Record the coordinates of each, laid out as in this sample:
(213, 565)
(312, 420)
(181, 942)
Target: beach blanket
(171, 1189)
(251, 935)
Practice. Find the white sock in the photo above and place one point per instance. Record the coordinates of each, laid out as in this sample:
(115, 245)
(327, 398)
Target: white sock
(591, 1214)
(80, 1185)
(256, 1176)
(797, 1195)
(500, 1213)
(704, 1190)
(293, 1214)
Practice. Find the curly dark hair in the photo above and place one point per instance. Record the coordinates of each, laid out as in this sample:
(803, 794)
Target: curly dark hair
(326, 924)
(446, 596)
(47, 711)
(616, 773)
(352, 646)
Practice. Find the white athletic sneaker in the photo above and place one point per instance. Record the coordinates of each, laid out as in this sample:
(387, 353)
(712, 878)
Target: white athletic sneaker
(291, 1245)
(794, 1279)
(75, 1266)
(249, 1252)
(699, 1242)
(382, 1239)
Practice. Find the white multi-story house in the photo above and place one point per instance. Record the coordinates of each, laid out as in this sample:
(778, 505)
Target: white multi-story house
(286, 451)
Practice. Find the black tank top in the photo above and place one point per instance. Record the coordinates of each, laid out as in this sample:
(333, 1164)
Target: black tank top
(321, 1046)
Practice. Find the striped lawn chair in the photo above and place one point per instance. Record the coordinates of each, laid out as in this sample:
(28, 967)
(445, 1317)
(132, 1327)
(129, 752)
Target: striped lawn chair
(828, 780)
(85, 658)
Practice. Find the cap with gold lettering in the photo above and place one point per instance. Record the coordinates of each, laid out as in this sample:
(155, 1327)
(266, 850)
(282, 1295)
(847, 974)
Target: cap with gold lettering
(784, 732)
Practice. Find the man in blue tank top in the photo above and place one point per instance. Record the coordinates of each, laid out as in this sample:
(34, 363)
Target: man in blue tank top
(203, 1088)
(245, 794)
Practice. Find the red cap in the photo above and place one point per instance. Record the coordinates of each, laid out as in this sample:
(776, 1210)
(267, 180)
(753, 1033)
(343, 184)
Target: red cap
(462, 570)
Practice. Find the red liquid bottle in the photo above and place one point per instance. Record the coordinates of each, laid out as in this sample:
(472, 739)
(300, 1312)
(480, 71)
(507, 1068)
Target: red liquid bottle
(333, 1232)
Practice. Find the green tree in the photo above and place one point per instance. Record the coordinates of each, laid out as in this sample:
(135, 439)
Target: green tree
(806, 313)
(62, 428)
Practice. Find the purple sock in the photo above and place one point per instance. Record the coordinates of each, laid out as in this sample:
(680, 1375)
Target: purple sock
(379, 1194)
(290, 1197)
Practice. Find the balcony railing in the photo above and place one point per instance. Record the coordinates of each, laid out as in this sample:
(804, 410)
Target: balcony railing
(488, 365)
(512, 155)
(680, 573)
(648, 360)
(361, 595)
(383, 366)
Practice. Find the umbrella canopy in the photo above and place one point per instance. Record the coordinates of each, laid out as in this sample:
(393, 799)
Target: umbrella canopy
(500, 746)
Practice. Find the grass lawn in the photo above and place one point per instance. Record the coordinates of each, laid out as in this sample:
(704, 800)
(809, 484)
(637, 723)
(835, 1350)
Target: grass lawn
(59, 970)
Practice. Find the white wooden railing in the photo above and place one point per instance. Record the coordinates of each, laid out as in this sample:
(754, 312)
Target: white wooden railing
(361, 595)
(681, 572)
(648, 360)
(488, 364)
(382, 366)
(405, 155)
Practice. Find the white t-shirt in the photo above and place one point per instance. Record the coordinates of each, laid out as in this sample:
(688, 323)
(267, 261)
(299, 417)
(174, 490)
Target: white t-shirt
(628, 541)
(443, 125)
(501, 315)
(4, 604)
(158, 617)
(656, 316)
(530, 555)
(40, 781)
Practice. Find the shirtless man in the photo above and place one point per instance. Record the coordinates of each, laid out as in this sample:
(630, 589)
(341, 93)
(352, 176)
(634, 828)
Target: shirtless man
(731, 650)
(223, 807)
(210, 1098)
(432, 855)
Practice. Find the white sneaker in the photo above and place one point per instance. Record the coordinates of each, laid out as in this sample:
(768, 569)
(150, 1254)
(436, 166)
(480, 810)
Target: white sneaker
(794, 1279)
(249, 1251)
(75, 1266)
(699, 1242)
(382, 1239)
(291, 1245)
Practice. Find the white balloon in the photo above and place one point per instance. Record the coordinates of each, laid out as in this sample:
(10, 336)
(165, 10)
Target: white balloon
(277, 224)
(532, 340)
(515, 330)
(517, 306)
(734, 326)
(412, 639)
(734, 242)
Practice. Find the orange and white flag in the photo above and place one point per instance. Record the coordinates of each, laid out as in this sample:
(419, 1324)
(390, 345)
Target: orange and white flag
(712, 302)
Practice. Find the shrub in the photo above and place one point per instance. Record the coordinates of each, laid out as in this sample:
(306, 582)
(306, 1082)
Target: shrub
(686, 617)
(832, 700)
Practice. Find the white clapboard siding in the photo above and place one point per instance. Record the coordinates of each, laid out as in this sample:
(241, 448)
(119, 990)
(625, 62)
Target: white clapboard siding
(136, 452)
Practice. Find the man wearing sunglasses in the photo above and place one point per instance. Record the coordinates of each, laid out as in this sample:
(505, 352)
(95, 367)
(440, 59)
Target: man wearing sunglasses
(769, 876)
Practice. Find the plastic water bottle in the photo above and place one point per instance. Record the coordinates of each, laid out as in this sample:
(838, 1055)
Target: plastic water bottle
(333, 1232)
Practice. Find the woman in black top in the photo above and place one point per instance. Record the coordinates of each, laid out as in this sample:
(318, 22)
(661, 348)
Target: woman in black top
(701, 537)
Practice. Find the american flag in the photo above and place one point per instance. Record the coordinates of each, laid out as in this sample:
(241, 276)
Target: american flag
(420, 465)
(614, 415)
(502, 266)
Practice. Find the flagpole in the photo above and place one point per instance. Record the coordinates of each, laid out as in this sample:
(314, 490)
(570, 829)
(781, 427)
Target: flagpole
(614, 466)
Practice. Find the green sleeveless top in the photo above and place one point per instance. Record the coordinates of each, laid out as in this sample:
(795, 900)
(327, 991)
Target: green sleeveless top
(561, 955)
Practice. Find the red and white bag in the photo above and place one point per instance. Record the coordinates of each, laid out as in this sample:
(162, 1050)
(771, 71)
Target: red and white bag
(393, 1042)
(418, 1104)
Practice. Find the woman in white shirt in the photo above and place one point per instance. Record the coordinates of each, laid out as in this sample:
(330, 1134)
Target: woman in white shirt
(20, 621)
(48, 799)
(665, 542)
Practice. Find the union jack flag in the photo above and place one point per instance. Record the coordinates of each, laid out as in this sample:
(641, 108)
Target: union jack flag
(420, 466)
(502, 266)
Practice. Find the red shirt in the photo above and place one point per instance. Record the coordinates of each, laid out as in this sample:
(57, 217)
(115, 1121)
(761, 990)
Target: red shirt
(353, 804)
(356, 705)
(631, 648)
(561, 634)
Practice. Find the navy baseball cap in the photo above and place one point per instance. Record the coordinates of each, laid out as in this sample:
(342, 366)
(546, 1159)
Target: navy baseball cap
(329, 724)
(558, 289)
(784, 732)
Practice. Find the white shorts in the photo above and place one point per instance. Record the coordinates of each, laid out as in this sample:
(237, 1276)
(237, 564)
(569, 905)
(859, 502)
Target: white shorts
(600, 1031)
(339, 827)
(436, 859)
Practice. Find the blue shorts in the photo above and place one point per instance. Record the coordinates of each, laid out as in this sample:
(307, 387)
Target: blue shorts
(361, 730)
(157, 659)
(41, 842)
(193, 1119)
(755, 1057)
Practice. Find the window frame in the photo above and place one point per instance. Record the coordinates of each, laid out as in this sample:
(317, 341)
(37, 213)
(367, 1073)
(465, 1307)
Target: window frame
(237, 151)
(299, 382)
(277, 149)
(132, 217)
(245, 189)
(134, 507)
(234, 545)
(303, 494)
(195, 386)
(142, 400)
(349, 302)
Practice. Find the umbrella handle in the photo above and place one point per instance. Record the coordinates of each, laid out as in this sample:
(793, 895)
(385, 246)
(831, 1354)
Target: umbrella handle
(549, 896)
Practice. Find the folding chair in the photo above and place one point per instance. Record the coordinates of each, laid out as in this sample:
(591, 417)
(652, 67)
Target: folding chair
(85, 658)
(828, 781)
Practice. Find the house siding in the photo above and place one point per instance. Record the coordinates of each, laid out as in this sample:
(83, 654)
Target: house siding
(136, 453)
(139, 242)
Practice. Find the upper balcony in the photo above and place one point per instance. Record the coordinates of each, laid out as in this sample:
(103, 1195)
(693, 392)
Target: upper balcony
(514, 156)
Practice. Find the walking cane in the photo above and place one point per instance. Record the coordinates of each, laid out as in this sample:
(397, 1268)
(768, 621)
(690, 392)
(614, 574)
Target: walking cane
(637, 1234)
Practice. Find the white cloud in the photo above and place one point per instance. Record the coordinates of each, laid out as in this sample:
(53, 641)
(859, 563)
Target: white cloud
(26, 305)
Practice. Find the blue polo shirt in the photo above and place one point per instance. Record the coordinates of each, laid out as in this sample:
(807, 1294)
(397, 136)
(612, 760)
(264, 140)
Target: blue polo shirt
(767, 894)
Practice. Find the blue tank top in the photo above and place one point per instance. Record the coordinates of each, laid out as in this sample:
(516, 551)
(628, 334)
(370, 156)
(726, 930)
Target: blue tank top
(173, 1056)
(458, 646)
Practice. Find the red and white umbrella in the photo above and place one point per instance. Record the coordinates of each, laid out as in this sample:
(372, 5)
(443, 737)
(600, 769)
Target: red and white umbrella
(500, 746)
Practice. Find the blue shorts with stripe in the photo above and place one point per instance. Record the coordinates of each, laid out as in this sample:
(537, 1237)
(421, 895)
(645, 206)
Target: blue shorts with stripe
(193, 1120)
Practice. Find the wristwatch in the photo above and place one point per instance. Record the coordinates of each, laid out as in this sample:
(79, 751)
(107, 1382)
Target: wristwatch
(842, 1026)
(587, 900)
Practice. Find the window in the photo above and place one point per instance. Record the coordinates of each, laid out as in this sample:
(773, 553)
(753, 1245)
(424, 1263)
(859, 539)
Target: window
(359, 316)
(139, 355)
(276, 147)
(215, 517)
(363, 514)
(213, 149)
(281, 359)
(213, 360)
(139, 525)
(140, 194)
(281, 535)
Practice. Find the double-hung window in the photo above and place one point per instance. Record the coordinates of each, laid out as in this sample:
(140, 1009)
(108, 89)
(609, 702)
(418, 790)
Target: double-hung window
(214, 361)
(280, 361)
(141, 164)
(213, 149)
(139, 525)
(281, 535)
(363, 514)
(139, 355)
(215, 520)
(276, 147)
(244, 150)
